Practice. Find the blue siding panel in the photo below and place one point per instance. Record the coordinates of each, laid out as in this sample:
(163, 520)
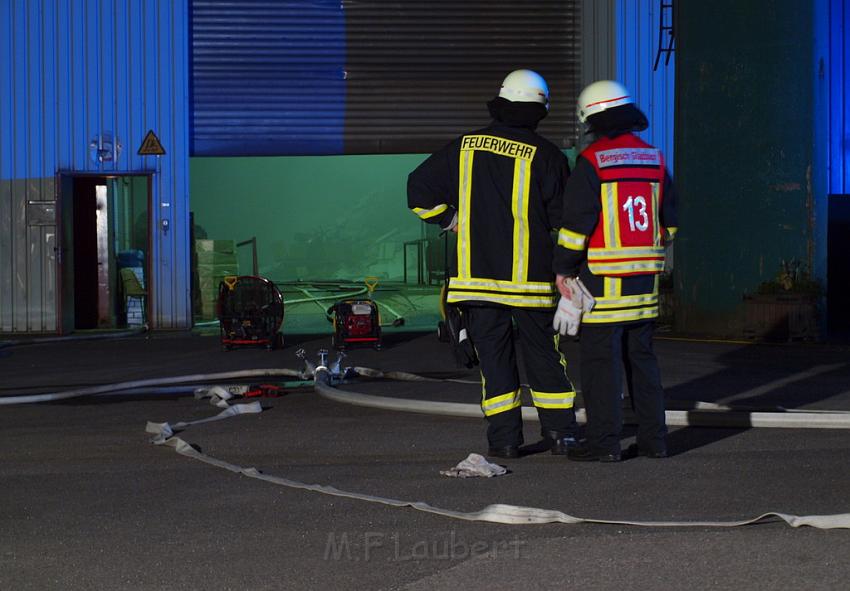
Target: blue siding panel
(77, 72)
(637, 26)
(264, 73)
(839, 99)
(6, 112)
(830, 176)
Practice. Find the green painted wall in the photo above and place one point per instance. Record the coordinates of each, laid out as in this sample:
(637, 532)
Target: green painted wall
(743, 152)
(315, 217)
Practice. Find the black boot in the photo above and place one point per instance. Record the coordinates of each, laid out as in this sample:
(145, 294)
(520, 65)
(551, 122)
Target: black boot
(507, 452)
(586, 453)
(657, 452)
(559, 444)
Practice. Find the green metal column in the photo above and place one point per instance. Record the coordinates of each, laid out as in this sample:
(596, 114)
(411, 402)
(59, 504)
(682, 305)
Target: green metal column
(744, 135)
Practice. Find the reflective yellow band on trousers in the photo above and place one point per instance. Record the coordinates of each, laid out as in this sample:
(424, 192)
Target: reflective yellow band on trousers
(556, 338)
(497, 404)
(429, 213)
(553, 399)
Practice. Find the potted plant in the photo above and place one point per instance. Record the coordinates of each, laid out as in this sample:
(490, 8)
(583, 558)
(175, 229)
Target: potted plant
(785, 307)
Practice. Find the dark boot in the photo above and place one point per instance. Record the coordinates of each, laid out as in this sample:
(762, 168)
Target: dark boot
(586, 453)
(656, 452)
(507, 452)
(559, 444)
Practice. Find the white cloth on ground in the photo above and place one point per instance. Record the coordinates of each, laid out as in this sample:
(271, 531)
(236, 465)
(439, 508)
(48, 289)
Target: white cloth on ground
(473, 466)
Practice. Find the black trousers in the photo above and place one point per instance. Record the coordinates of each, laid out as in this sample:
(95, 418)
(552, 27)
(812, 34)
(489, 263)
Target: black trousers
(491, 331)
(605, 350)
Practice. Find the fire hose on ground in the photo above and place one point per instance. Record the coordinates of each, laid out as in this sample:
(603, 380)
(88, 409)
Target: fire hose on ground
(495, 513)
(704, 414)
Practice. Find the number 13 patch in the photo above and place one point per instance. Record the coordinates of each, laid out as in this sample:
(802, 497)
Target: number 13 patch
(630, 213)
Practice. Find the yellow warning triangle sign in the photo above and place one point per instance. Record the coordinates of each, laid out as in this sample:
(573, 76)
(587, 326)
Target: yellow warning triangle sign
(151, 146)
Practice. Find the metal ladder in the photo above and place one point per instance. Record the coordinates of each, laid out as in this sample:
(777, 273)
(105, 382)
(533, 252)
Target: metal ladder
(666, 33)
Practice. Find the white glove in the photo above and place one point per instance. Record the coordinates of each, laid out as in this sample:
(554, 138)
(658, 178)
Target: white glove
(570, 309)
(580, 295)
(567, 317)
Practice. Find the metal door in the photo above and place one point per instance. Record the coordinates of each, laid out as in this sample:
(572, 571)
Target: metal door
(65, 254)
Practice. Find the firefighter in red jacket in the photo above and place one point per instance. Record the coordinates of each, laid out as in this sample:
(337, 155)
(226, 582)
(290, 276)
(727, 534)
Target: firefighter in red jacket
(500, 189)
(619, 213)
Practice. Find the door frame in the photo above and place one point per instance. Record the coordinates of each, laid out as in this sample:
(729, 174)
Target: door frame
(62, 176)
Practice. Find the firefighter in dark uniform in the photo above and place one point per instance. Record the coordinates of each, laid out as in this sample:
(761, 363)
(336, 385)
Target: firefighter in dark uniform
(619, 213)
(499, 188)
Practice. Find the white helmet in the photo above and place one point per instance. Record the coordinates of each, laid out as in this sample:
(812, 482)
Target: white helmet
(525, 86)
(601, 95)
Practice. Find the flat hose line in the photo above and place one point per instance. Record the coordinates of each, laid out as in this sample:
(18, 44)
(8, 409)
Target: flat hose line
(703, 414)
(495, 513)
(153, 382)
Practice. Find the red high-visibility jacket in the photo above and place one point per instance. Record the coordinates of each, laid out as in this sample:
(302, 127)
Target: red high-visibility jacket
(619, 210)
(628, 239)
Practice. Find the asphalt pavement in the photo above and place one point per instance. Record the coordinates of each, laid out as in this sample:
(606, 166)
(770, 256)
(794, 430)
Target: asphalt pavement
(88, 502)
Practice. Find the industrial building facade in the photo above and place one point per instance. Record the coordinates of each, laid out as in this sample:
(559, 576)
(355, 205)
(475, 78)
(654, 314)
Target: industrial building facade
(106, 106)
(83, 82)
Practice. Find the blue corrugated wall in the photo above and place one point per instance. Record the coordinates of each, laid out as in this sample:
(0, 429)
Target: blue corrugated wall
(838, 115)
(77, 73)
(830, 178)
(637, 25)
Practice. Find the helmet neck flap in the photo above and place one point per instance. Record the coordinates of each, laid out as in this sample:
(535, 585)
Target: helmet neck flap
(526, 115)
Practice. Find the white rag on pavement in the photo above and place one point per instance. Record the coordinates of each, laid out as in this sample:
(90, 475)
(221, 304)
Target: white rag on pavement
(474, 466)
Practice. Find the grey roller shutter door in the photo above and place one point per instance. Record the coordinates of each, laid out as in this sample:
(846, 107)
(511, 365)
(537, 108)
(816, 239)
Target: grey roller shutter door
(273, 77)
(420, 72)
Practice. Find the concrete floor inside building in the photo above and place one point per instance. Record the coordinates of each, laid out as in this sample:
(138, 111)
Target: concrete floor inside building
(89, 503)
